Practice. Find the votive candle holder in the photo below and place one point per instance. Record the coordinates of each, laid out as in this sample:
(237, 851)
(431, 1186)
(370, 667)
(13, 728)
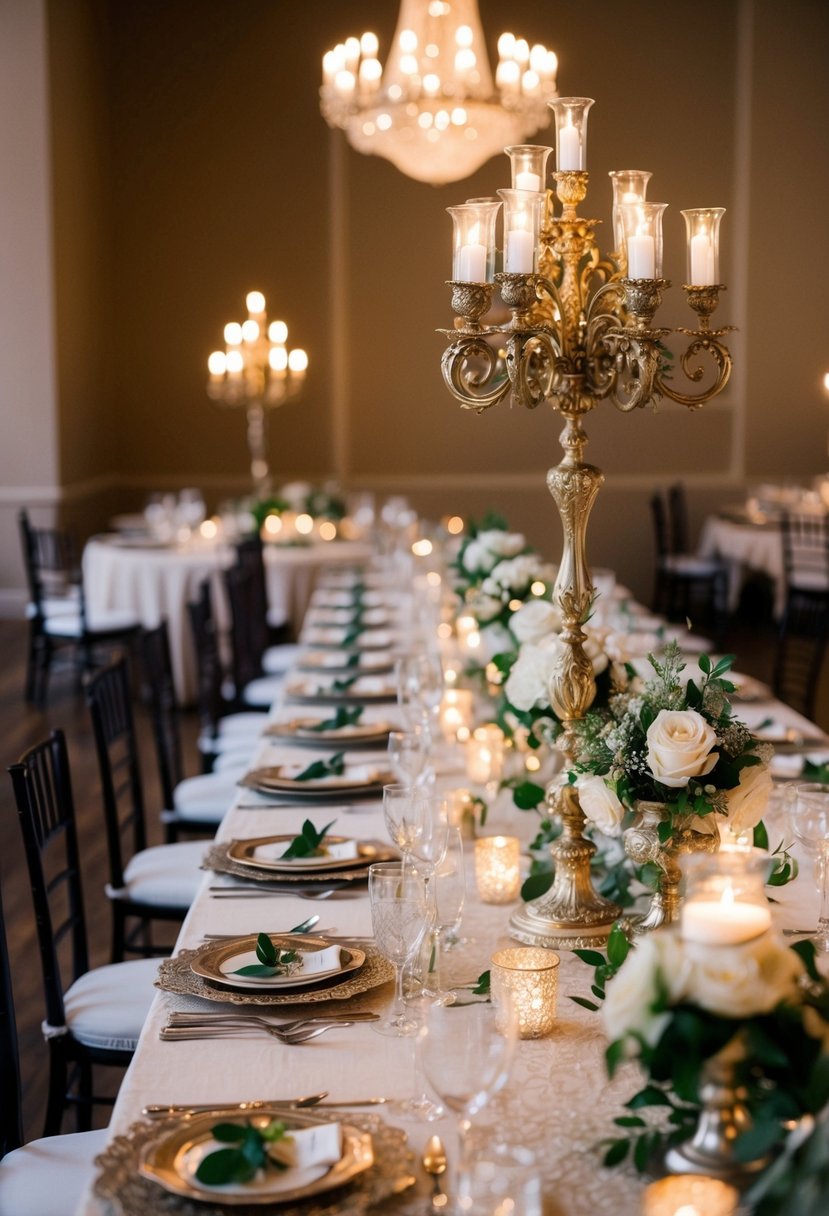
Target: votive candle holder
(528, 976)
(497, 869)
(681, 1194)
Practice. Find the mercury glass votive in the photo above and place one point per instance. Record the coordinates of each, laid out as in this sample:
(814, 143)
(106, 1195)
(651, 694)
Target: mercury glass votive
(702, 227)
(528, 976)
(485, 754)
(497, 868)
(689, 1195)
(642, 223)
(456, 714)
(725, 896)
(528, 163)
(629, 186)
(473, 241)
(571, 132)
(523, 210)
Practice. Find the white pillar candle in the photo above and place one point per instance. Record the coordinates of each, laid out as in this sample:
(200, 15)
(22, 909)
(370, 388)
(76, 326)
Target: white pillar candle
(569, 149)
(641, 257)
(702, 260)
(724, 921)
(528, 181)
(520, 252)
(472, 264)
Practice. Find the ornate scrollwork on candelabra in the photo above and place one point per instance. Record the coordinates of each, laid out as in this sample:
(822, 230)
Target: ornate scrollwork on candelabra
(581, 330)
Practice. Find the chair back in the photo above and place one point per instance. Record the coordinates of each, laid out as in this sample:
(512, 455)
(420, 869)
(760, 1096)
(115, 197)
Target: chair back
(806, 551)
(43, 795)
(209, 667)
(247, 639)
(159, 693)
(50, 559)
(110, 707)
(11, 1115)
(679, 537)
(660, 525)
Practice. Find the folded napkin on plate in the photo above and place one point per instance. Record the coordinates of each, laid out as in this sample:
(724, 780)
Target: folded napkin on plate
(306, 1146)
(352, 774)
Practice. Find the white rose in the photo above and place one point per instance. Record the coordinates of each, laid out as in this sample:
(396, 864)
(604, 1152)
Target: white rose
(502, 544)
(595, 652)
(600, 803)
(476, 559)
(679, 746)
(517, 573)
(535, 620)
(495, 639)
(657, 964)
(528, 684)
(743, 980)
(748, 800)
(483, 607)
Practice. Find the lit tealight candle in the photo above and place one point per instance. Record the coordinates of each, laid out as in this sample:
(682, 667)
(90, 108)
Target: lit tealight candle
(726, 921)
(527, 181)
(455, 713)
(528, 977)
(485, 754)
(497, 869)
(689, 1195)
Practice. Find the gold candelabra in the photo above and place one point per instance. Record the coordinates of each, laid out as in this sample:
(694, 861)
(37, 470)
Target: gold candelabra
(256, 372)
(581, 330)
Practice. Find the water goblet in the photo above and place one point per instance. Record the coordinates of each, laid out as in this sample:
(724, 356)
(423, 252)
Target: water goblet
(397, 895)
(407, 752)
(448, 885)
(809, 816)
(466, 1057)
(404, 815)
(419, 688)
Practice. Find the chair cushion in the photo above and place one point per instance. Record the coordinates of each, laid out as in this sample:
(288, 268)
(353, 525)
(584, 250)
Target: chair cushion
(167, 874)
(55, 605)
(206, 797)
(111, 619)
(263, 692)
(48, 1177)
(64, 625)
(247, 724)
(107, 1006)
(278, 659)
(808, 580)
(234, 761)
(685, 564)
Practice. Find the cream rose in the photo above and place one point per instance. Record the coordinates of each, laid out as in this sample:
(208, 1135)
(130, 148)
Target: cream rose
(679, 746)
(657, 964)
(747, 802)
(600, 803)
(528, 684)
(744, 980)
(535, 621)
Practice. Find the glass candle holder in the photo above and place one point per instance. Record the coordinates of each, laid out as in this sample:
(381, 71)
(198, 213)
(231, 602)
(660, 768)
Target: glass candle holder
(456, 714)
(686, 1193)
(529, 166)
(497, 869)
(485, 754)
(629, 186)
(571, 132)
(725, 896)
(528, 975)
(702, 227)
(473, 241)
(642, 223)
(523, 210)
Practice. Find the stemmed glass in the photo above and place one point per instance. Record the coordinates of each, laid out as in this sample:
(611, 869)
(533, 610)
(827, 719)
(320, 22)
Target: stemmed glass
(448, 885)
(397, 895)
(407, 752)
(405, 816)
(419, 688)
(809, 815)
(466, 1057)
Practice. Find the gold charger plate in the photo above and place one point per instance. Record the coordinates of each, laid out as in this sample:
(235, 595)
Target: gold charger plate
(127, 1192)
(172, 1161)
(209, 965)
(270, 781)
(177, 975)
(216, 858)
(307, 693)
(244, 852)
(300, 730)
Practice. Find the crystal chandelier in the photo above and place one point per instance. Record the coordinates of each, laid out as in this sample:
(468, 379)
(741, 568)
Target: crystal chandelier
(433, 111)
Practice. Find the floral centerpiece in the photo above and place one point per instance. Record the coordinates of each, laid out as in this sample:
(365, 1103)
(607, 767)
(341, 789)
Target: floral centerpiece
(666, 765)
(735, 1033)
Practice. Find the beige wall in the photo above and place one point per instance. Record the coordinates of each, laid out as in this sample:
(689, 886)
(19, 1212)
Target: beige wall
(221, 176)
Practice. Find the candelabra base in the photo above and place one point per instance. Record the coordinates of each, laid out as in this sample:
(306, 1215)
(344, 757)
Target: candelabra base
(532, 928)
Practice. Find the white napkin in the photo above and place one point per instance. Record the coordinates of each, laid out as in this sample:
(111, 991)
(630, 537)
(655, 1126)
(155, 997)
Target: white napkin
(308, 1151)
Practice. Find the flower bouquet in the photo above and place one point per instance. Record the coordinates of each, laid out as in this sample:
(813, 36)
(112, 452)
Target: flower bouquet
(666, 765)
(733, 1040)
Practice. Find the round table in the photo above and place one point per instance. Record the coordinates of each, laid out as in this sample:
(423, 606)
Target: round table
(157, 581)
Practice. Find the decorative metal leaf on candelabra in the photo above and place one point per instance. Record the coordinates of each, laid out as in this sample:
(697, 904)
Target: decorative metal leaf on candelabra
(580, 331)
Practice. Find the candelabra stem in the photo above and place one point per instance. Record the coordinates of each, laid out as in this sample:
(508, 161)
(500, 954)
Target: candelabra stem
(258, 448)
(571, 914)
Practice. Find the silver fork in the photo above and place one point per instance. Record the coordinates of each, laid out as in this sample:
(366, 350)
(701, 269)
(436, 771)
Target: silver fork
(176, 1034)
(179, 1018)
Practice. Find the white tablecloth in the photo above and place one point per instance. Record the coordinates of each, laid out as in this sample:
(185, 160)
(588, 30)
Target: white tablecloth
(156, 583)
(744, 547)
(558, 1101)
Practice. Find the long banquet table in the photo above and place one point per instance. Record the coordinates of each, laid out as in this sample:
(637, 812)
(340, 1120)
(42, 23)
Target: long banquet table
(558, 1101)
(157, 581)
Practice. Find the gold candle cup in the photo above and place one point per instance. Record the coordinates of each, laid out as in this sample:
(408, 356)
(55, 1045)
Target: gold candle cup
(497, 869)
(684, 1194)
(528, 976)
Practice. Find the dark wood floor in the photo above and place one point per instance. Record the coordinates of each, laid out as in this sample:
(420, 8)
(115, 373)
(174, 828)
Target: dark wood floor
(20, 727)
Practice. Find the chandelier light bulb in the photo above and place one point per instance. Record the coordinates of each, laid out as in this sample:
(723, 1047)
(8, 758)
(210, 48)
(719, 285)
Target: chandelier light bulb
(217, 363)
(278, 358)
(278, 332)
(298, 361)
(234, 362)
(233, 333)
(255, 303)
(369, 45)
(250, 330)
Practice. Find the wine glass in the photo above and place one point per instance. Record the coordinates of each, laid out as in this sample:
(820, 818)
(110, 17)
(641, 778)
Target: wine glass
(397, 895)
(466, 1056)
(404, 815)
(448, 885)
(407, 752)
(809, 815)
(419, 688)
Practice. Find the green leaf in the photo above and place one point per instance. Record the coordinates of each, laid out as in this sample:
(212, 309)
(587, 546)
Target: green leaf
(614, 1055)
(308, 842)
(664, 831)
(616, 1153)
(257, 970)
(642, 1152)
(343, 717)
(704, 664)
(591, 957)
(585, 1004)
(228, 1133)
(629, 1121)
(323, 768)
(808, 954)
(761, 836)
(266, 951)
(527, 795)
(343, 684)
(618, 946)
(651, 1095)
(482, 986)
(757, 1141)
(225, 1165)
(536, 885)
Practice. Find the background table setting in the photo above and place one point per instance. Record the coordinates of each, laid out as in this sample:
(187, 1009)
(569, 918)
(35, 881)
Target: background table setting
(305, 932)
